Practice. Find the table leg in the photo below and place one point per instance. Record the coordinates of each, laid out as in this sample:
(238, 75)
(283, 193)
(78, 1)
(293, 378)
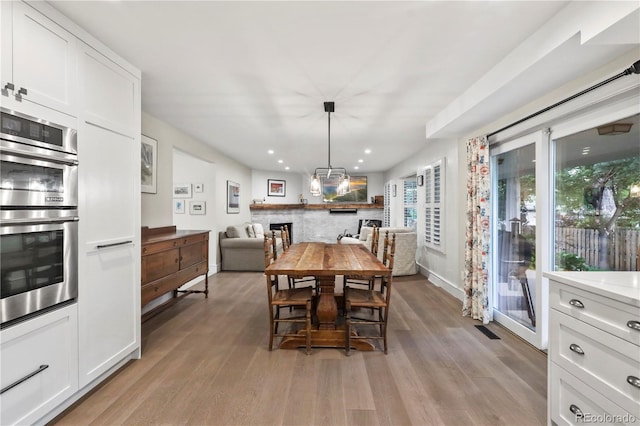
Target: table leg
(327, 309)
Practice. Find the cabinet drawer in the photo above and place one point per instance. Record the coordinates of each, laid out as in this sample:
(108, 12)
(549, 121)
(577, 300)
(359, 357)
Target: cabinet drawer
(612, 316)
(158, 265)
(192, 254)
(164, 285)
(601, 360)
(45, 350)
(159, 246)
(192, 239)
(575, 403)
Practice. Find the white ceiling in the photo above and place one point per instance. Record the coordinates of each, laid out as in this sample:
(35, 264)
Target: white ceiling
(246, 77)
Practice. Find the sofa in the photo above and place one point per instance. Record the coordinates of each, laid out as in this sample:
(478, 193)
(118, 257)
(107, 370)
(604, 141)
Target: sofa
(406, 246)
(242, 247)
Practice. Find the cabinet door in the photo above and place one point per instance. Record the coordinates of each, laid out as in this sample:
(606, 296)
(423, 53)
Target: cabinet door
(44, 352)
(109, 285)
(109, 209)
(42, 61)
(108, 93)
(192, 254)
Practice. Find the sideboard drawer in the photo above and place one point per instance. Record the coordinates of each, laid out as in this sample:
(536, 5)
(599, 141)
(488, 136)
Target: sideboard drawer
(607, 363)
(575, 403)
(612, 316)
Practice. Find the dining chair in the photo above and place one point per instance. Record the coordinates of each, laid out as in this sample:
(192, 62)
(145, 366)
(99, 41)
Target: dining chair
(360, 280)
(285, 298)
(376, 298)
(295, 280)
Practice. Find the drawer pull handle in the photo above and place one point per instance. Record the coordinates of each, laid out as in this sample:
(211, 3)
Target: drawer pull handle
(576, 410)
(633, 381)
(119, 243)
(577, 349)
(576, 303)
(25, 378)
(635, 325)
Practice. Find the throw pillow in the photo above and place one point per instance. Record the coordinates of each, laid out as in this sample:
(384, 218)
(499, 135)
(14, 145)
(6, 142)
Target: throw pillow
(250, 231)
(234, 232)
(258, 229)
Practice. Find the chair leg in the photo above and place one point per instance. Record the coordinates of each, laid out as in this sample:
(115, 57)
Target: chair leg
(271, 330)
(347, 331)
(308, 327)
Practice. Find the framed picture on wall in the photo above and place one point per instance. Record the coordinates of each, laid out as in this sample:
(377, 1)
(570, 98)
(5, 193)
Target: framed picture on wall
(233, 197)
(148, 165)
(198, 187)
(197, 207)
(182, 190)
(178, 206)
(276, 188)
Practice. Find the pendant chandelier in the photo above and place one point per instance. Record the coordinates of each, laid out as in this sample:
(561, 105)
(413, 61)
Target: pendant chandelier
(344, 181)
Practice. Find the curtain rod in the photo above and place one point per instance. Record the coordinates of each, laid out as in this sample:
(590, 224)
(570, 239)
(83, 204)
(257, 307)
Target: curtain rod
(633, 69)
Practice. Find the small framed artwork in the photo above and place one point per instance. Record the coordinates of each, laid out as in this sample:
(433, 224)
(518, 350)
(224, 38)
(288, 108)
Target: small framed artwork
(198, 187)
(233, 197)
(148, 165)
(276, 188)
(178, 206)
(197, 207)
(420, 180)
(182, 190)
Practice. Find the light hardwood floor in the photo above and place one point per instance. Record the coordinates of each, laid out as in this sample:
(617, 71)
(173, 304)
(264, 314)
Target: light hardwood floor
(206, 362)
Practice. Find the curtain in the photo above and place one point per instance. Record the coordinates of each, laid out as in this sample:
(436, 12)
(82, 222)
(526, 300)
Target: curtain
(476, 262)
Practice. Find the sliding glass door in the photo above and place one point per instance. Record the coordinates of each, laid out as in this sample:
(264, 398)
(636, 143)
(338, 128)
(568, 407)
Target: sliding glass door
(517, 213)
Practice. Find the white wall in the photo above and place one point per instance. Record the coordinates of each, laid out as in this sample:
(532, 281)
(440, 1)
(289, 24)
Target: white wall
(191, 170)
(157, 209)
(442, 269)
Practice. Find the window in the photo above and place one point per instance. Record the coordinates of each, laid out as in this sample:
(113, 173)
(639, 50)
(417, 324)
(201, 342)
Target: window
(386, 218)
(434, 205)
(410, 202)
(597, 203)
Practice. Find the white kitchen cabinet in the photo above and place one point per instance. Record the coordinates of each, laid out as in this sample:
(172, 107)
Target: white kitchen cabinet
(44, 352)
(38, 62)
(594, 347)
(109, 210)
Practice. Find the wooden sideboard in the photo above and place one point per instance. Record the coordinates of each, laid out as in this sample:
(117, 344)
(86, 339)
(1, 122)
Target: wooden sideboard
(171, 258)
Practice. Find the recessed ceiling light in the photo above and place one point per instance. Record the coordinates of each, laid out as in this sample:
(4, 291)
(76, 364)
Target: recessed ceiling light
(286, 168)
(270, 151)
(361, 161)
(356, 167)
(367, 151)
(280, 161)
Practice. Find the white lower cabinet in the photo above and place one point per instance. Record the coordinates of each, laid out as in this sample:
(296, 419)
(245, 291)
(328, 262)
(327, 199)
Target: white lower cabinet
(39, 365)
(594, 355)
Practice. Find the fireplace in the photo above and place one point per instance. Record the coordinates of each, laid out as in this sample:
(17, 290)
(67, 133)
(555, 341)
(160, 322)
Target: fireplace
(276, 227)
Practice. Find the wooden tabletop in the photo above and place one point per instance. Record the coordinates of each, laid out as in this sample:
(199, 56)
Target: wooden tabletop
(322, 259)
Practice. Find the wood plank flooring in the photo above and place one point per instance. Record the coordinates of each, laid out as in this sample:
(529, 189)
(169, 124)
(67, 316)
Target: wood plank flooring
(206, 362)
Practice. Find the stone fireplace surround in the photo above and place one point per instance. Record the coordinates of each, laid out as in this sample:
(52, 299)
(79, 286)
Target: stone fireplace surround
(315, 222)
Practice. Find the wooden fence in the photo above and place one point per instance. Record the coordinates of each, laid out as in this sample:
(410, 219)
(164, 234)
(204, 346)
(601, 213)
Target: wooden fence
(620, 248)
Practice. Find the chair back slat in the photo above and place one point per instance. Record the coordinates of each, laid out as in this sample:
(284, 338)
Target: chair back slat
(375, 235)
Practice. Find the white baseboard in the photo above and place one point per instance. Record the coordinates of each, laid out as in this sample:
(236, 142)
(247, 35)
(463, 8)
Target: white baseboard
(441, 282)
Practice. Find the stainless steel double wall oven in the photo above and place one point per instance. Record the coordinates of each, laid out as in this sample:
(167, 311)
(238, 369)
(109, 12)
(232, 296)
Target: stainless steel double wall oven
(38, 216)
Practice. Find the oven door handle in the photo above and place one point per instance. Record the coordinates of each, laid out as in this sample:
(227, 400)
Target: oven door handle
(53, 156)
(36, 221)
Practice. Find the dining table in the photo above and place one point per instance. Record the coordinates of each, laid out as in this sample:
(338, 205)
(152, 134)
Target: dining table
(326, 261)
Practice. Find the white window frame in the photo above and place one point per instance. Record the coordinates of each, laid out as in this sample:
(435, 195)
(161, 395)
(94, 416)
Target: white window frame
(434, 206)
